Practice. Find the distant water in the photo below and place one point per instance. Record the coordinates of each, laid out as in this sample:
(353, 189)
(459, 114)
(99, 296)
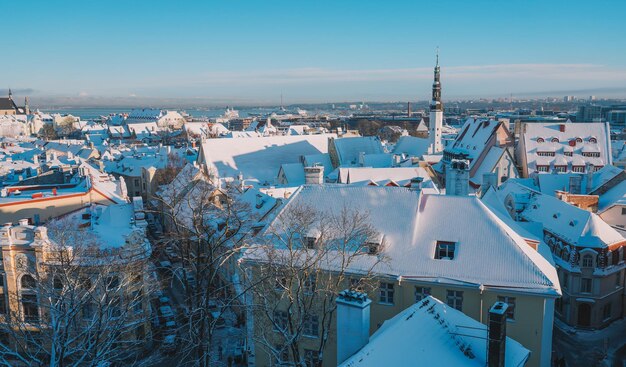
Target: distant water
(94, 113)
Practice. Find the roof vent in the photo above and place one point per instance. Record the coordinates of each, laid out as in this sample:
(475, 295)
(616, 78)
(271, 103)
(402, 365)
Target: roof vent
(556, 215)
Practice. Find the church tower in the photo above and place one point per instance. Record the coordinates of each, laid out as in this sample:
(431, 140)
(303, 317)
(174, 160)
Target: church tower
(436, 114)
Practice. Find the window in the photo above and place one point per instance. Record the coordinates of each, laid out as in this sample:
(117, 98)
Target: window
(28, 282)
(421, 293)
(57, 283)
(116, 310)
(560, 168)
(137, 304)
(311, 358)
(585, 285)
(618, 279)
(540, 140)
(593, 140)
(578, 169)
(606, 312)
(282, 354)
(565, 282)
(510, 311)
(579, 140)
(546, 154)
(309, 284)
(568, 154)
(386, 293)
(587, 261)
(88, 311)
(554, 140)
(311, 242)
(445, 250)
(623, 211)
(29, 308)
(3, 304)
(455, 299)
(281, 284)
(112, 282)
(543, 168)
(281, 320)
(136, 181)
(311, 326)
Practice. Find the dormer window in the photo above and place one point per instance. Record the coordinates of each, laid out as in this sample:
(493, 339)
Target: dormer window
(310, 242)
(375, 246)
(540, 140)
(587, 261)
(555, 140)
(593, 140)
(445, 250)
(579, 140)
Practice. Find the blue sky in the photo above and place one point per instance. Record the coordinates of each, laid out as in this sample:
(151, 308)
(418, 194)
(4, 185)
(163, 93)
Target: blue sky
(312, 51)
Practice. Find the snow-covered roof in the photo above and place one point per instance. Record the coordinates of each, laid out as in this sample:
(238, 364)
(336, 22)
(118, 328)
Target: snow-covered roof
(383, 176)
(555, 137)
(294, 173)
(574, 225)
(430, 333)
(474, 135)
(488, 164)
(258, 159)
(489, 252)
(411, 146)
(348, 149)
(614, 196)
(323, 159)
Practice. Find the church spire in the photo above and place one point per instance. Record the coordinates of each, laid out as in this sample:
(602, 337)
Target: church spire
(435, 104)
(10, 94)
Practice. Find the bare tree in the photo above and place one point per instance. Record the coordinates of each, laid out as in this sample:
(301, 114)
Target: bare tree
(79, 305)
(205, 228)
(304, 259)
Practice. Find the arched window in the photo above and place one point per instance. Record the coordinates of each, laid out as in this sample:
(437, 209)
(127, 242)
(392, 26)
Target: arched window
(593, 140)
(555, 140)
(587, 261)
(540, 140)
(28, 282)
(579, 140)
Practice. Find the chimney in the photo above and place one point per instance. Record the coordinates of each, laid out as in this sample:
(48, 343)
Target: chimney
(489, 180)
(259, 201)
(361, 159)
(314, 175)
(397, 158)
(416, 184)
(353, 323)
(562, 128)
(575, 182)
(496, 335)
(457, 177)
(590, 169)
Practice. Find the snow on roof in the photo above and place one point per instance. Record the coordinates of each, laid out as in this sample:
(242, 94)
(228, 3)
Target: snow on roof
(548, 137)
(574, 225)
(323, 159)
(380, 160)
(488, 164)
(474, 136)
(348, 149)
(144, 129)
(382, 176)
(258, 159)
(615, 196)
(430, 333)
(488, 253)
(411, 146)
(294, 173)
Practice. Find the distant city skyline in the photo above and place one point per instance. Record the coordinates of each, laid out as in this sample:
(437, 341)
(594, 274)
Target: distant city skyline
(249, 52)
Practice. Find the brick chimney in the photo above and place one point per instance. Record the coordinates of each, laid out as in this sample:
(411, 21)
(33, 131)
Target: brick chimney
(562, 128)
(353, 323)
(496, 335)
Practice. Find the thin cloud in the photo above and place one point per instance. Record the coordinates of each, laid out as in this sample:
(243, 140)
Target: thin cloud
(555, 72)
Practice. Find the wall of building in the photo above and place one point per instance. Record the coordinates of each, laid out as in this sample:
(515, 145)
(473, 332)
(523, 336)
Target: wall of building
(615, 216)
